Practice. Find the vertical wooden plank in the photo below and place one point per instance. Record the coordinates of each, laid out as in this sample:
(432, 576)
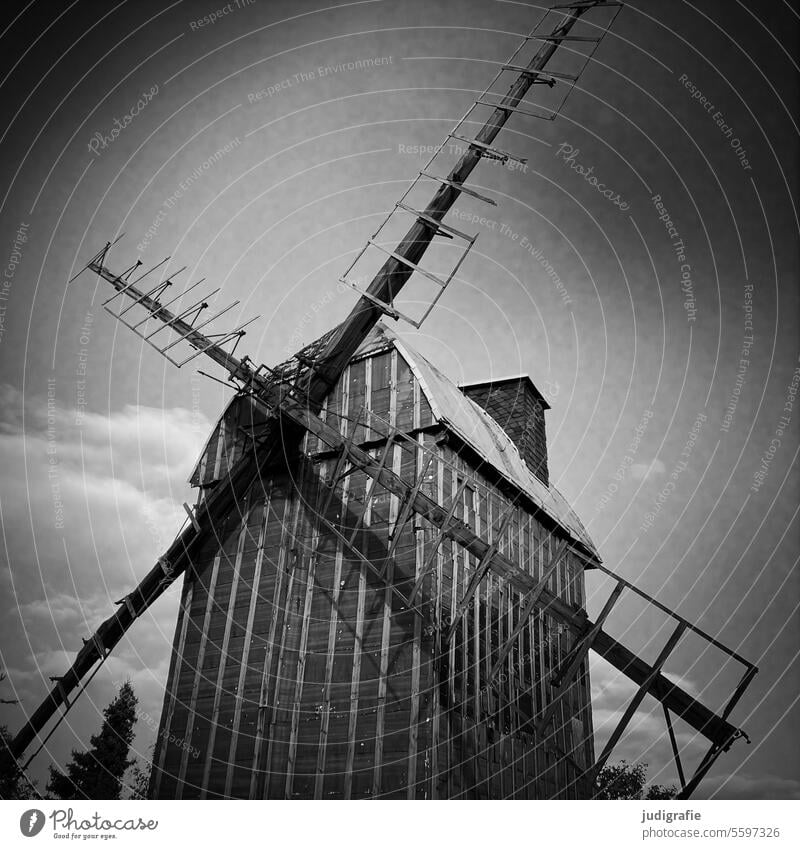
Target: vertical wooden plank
(197, 675)
(220, 452)
(416, 657)
(283, 691)
(171, 697)
(243, 669)
(393, 388)
(438, 750)
(209, 754)
(261, 754)
(297, 703)
(385, 641)
(319, 781)
(355, 681)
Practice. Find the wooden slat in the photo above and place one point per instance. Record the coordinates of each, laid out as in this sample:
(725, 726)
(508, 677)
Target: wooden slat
(170, 697)
(355, 681)
(416, 659)
(480, 572)
(192, 707)
(209, 754)
(245, 659)
(330, 656)
(530, 601)
(300, 671)
(262, 757)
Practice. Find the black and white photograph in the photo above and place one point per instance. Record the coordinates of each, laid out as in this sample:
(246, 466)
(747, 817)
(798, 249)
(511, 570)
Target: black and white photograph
(400, 402)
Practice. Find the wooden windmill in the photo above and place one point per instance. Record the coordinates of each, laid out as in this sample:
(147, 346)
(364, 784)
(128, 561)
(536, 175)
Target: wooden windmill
(383, 593)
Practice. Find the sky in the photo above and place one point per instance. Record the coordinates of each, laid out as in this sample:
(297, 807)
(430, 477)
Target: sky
(641, 266)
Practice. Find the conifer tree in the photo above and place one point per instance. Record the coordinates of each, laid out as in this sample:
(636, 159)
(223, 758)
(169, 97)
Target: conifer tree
(13, 782)
(97, 773)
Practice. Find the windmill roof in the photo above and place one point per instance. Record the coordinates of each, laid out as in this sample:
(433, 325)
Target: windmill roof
(475, 427)
(472, 425)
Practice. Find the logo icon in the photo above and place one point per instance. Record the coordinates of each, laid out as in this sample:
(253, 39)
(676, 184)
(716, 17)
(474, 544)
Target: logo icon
(31, 822)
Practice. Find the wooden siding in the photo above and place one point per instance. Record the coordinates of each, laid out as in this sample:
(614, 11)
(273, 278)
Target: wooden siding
(297, 674)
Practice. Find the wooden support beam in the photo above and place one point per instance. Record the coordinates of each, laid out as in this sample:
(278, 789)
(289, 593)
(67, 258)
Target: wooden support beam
(374, 482)
(407, 505)
(673, 742)
(573, 660)
(633, 706)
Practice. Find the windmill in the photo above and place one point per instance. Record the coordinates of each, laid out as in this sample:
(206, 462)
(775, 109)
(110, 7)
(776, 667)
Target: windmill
(383, 594)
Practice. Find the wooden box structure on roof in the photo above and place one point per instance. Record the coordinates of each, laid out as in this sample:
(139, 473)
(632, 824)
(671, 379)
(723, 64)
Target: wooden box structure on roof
(299, 672)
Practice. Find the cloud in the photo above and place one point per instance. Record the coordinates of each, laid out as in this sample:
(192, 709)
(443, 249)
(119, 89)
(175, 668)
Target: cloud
(87, 504)
(742, 785)
(647, 471)
(646, 739)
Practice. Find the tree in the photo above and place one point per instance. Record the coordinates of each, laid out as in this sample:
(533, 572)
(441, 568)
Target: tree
(14, 784)
(97, 773)
(138, 779)
(627, 781)
(661, 791)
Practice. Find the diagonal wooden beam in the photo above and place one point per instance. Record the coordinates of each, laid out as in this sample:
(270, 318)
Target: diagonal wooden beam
(443, 531)
(530, 601)
(575, 660)
(480, 573)
(633, 705)
(373, 485)
(674, 743)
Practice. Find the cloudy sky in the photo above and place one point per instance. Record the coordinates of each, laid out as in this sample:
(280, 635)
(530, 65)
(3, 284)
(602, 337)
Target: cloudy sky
(641, 266)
